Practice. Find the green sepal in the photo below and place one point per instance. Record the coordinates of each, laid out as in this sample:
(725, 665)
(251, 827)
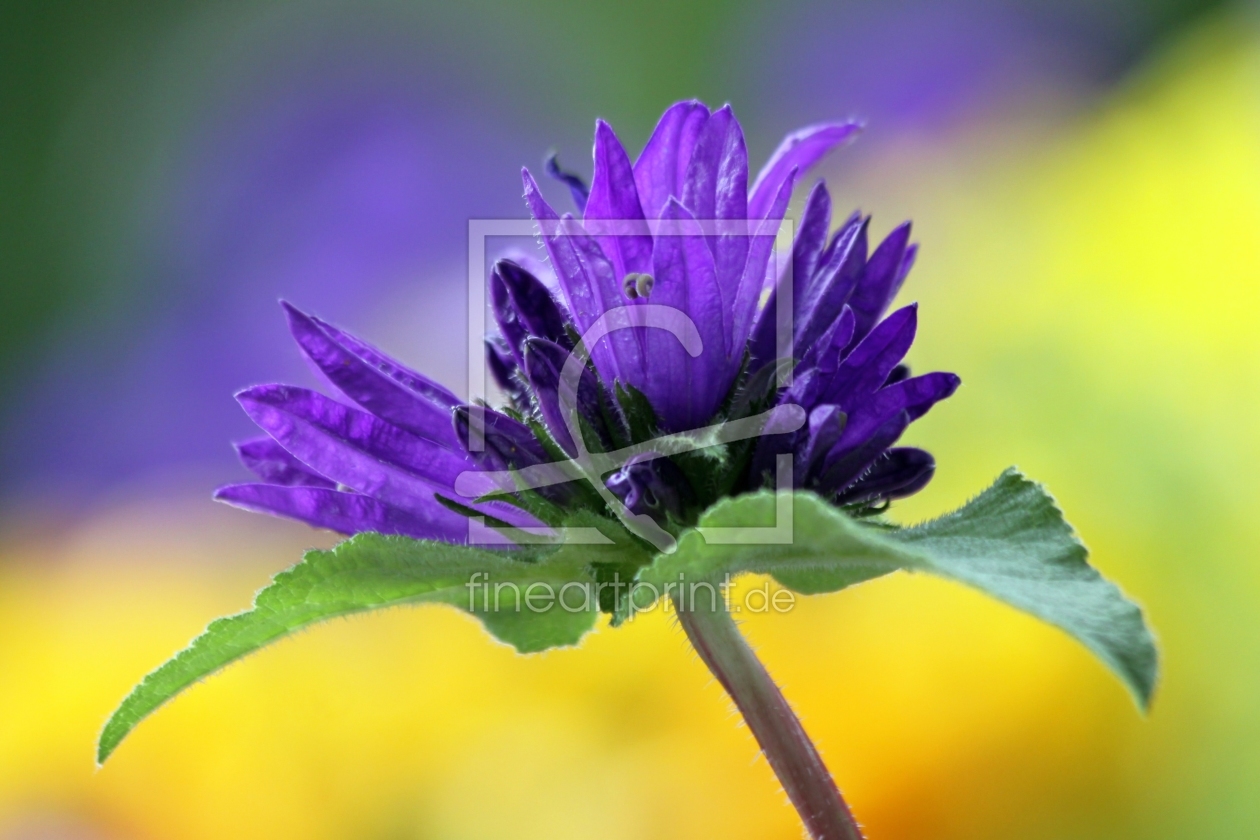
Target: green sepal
(640, 416)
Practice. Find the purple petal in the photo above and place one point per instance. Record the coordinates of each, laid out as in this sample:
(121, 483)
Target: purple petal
(544, 364)
(907, 263)
(418, 382)
(871, 362)
(504, 369)
(505, 315)
(844, 464)
(716, 189)
(730, 194)
(273, 464)
(763, 340)
(800, 150)
(898, 373)
(826, 422)
(716, 183)
(662, 167)
(898, 473)
(508, 442)
(346, 513)
(615, 197)
(881, 281)
(353, 447)
(825, 353)
(825, 299)
(757, 270)
(654, 486)
(811, 236)
(803, 392)
(369, 386)
(590, 287)
(826, 260)
(536, 308)
(685, 391)
(914, 396)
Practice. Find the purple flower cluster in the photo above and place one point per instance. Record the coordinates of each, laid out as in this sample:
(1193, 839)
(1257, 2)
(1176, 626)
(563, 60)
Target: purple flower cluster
(677, 231)
(850, 377)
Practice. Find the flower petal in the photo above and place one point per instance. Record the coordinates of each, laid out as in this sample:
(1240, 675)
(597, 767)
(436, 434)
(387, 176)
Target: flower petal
(800, 150)
(716, 190)
(662, 166)
(511, 329)
(590, 288)
(803, 392)
(757, 271)
(615, 198)
(871, 362)
(346, 513)
(826, 422)
(825, 353)
(369, 386)
(913, 396)
(544, 365)
(504, 369)
(881, 281)
(273, 464)
(716, 182)
(845, 464)
(509, 444)
(536, 308)
(418, 382)
(353, 447)
(685, 391)
(811, 236)
(826, 297)
(577, 187)
(901, 472)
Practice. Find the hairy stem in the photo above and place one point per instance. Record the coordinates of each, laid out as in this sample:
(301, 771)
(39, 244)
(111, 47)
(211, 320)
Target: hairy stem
(788, 749)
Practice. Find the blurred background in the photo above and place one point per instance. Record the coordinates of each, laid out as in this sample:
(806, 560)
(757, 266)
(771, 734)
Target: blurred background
(1084, 178)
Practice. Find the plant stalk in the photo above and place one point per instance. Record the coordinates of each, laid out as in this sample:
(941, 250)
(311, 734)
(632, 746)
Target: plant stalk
(782, 738)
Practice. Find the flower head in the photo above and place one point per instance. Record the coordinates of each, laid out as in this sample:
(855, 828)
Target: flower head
(667, 282)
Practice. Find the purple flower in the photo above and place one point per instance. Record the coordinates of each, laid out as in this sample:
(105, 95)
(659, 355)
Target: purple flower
(684, 216)
(380, 466)
(667, 282)
(851, 379)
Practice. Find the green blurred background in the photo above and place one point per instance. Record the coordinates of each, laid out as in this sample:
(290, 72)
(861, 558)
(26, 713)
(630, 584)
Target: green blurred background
(1085, 182)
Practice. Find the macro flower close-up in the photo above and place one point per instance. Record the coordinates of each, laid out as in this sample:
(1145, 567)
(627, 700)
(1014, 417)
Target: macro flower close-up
(713, 380)
(556, 420)
(386, 464)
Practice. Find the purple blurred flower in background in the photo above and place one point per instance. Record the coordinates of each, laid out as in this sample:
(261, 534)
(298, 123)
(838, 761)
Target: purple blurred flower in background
(343, 188)
(332, 159)
(678, 230)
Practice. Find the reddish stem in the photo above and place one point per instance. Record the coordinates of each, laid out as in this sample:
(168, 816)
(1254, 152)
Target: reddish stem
(788, 749)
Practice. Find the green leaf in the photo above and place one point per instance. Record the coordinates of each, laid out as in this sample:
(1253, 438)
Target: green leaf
(371, 571)
(1011, 542)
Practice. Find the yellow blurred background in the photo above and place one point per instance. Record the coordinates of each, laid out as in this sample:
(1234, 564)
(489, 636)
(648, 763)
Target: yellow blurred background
(1093, 274)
